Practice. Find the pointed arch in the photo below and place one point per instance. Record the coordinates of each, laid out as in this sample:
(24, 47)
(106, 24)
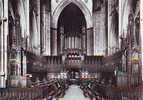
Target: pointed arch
(80, 4)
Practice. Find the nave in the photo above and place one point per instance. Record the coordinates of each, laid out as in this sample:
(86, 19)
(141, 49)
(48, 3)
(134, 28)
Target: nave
(74, 90)
(74, 93)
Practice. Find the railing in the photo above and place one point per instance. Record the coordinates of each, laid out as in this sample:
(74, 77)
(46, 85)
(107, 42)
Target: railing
(21, 94)
(97, 60)
(125, 93)
(42, 63)
(37, 91)
(93, 63)
(93, 89)
(53, 63)
(53, 60)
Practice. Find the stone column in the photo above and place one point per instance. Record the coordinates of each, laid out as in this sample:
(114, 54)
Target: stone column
(35, 28)
(16, 50)
(34, 36)
(65, 43)
(2, 81)
(111, 33)
(45, 29)
(90, 41)
(43, 26)
(99, 31)
(80, 42)
(3, 38)
(124, 10)
(72, 42)
(61, 39)
(27, 24)
(76, 42)
(84, 39)
(69, 41)
(141, 31)
(25, 44)
(54, 42)
(38, 26)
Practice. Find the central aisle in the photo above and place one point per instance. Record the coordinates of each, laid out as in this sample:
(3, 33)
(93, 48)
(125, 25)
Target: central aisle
(74, 93)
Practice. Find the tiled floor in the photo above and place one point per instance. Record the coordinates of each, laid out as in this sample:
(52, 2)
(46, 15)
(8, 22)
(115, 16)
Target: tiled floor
(74, 93)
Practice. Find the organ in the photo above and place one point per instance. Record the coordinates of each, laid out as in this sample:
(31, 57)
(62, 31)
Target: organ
(72, 42)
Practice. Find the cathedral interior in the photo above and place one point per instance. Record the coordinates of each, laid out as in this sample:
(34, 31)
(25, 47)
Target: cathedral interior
(70, 50)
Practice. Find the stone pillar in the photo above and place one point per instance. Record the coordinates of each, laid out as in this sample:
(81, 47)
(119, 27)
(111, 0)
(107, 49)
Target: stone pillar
(125, 30)
(16, 50)
(35, 28)
(111, 33)
(27, 24)
(70, 42)
(124, 10)
(99, 31)
(2, 81)
(1, 39)
(34, 36)
(54, 42)
(5, 37)
(72, 39)
(66, 42)
(20, 34)
(61, 39)
(38, 25)
(84, 39)
(141, 31)
(25, 43)
(45, 29)
(78, 43)
(3, 44)
(24, 69)
(42, 13)
(75, 42)
(89, 41)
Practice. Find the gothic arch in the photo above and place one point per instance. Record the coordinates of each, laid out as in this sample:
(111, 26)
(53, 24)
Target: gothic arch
(80, 4)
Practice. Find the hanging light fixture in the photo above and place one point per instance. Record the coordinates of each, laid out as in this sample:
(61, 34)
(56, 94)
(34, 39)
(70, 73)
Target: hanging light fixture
(57, 1)
(86, 1)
